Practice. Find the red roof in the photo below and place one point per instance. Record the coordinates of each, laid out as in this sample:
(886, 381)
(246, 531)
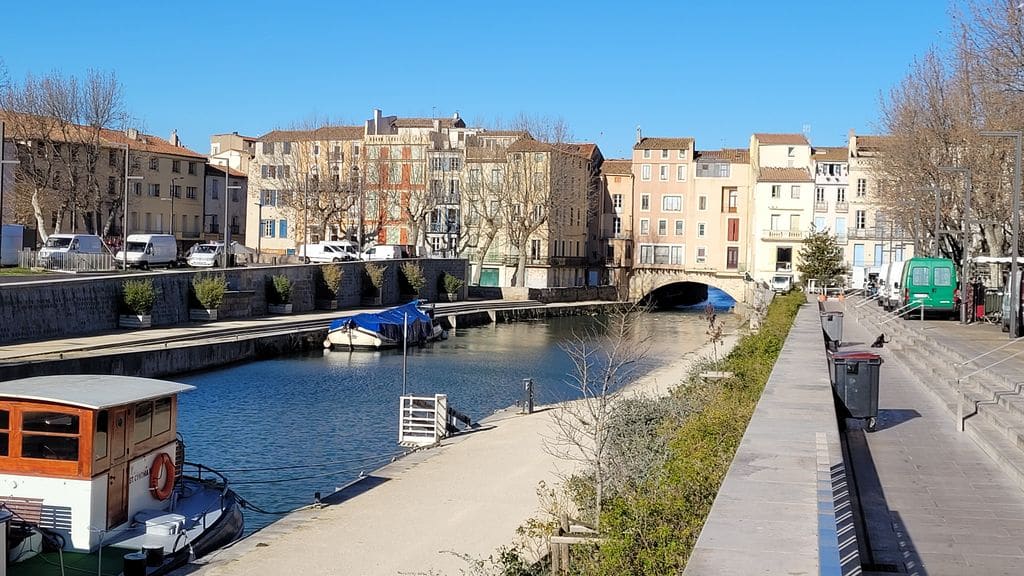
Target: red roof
(617, 167)
(831, 154)
(664, 144)
(784, 175)
(323, 133)
(791, 139)
(731, 155)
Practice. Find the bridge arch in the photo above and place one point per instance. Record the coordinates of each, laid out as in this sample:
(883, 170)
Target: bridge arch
(646, 282)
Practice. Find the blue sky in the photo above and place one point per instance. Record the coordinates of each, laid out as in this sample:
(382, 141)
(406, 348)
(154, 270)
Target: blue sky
(716, 71)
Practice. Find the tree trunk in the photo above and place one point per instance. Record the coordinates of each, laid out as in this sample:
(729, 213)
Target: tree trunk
(481, 255)
(521, 270)
(38, 212)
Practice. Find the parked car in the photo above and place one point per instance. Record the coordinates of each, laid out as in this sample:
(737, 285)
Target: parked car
(58, 248)
(932, 282)
(388, 252)
(323, 252)
(350, 248)
(145, 250)
(782, 283)
(205, 255)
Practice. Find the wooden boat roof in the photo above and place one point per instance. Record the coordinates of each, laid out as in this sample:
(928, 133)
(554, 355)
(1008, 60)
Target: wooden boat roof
(93, 391)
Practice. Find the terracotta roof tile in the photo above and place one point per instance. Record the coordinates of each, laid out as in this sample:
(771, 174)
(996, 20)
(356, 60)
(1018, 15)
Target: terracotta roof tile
(587, 150)
(731, 155)
(147, 143)
(774, 139)
(428, 122)
(617, 167)
(322, 133)
(219, 169)
(664, 144)
(831, 154)
(872, 142)
(108, 138)
(503, 133)
(527, 144)
(784, 175)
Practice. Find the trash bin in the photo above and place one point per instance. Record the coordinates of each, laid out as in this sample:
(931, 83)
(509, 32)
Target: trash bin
(856, 384)
(832, 326)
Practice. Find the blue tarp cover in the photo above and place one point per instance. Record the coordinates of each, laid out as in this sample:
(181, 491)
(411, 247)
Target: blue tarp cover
(388, 323)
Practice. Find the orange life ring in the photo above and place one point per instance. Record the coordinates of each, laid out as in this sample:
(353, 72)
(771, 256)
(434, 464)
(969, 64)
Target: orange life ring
(163, 463)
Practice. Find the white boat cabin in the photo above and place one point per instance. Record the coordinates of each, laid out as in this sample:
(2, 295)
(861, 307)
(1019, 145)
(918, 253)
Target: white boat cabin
(84, 454)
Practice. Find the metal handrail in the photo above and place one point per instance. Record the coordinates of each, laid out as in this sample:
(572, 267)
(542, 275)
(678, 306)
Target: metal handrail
(868, 299)
(899, 311)
(996, 349)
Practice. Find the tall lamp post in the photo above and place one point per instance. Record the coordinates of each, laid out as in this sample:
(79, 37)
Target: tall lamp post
(965, 253)
(174, 192)
(1017, 135)
(227, 228)
(127, 179)
(3, 166)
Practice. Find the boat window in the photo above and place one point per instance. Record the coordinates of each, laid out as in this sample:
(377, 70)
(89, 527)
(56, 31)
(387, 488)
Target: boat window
(99, 443)
(49, 435)
(5, 430)
(143, 422)
(161, 416)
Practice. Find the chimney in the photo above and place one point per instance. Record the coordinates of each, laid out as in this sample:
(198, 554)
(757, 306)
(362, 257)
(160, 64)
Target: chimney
(133, 134)
(638, 135)
(455, 116)
(174, 138)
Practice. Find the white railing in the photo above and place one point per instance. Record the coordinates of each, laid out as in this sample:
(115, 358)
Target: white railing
(73, 262)
(423, 420)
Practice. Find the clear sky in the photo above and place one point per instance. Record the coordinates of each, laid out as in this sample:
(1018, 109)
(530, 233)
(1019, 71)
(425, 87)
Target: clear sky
(716, 71)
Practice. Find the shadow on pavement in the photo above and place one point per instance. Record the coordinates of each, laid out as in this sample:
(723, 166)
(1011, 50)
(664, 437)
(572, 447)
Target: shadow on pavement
(892, 417)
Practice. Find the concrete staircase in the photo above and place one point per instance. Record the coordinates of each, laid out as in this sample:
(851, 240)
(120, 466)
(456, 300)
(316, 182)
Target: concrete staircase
(990, 399)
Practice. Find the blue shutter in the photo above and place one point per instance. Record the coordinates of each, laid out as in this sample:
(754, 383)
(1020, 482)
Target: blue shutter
(284, 229)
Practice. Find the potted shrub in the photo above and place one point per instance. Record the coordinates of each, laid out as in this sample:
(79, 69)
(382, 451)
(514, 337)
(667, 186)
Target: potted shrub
(374, 293)
(208, 290)
(279, 294)
(413, 278)
(137, 300)
(452, 285)
(328, 286)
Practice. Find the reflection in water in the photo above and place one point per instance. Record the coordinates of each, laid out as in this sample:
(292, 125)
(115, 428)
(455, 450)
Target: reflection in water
(342, 407)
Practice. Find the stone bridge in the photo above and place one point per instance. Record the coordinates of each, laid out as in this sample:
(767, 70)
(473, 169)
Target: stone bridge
(644, 281)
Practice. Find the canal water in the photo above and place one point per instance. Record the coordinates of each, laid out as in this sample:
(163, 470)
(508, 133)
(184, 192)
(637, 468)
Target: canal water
(285, 428)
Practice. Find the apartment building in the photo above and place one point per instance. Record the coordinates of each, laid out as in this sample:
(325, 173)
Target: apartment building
(722, 192)
(875, 239)
(781, 203)
(664, 202)
(225, 196)
(232, 150)
(305, 187)
(615, 233)
(484, 242)
(71, 179)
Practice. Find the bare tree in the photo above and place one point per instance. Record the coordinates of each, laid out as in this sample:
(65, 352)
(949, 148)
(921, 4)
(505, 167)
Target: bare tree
(486, 168)
(604, 360)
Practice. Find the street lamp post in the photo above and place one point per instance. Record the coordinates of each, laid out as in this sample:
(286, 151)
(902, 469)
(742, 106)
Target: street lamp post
(127, 179)
(174, 192)
(3, 166)
(1017, 135)
(227, 228)
(965, 253)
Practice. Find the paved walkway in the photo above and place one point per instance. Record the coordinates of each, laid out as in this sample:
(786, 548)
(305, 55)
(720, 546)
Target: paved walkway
(951, 507)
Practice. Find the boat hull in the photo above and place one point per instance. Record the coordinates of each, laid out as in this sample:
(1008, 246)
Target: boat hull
(359, 339)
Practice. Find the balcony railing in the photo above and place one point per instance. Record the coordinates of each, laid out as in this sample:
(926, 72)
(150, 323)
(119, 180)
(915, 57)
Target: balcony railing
(842, 207)
(821, 206)
(783, 266)
(866, 234)
(841, 238)
(783, 234)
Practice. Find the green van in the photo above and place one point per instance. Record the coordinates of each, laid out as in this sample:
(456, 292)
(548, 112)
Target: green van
(931, 281)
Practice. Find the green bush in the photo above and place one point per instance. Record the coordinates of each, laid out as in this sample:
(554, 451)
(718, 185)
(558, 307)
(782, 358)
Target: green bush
(330, 279)
(412, 272)
(376, 274)
(651, 528)
(138, 296)
(452, 284)
(209, 289)
(279, 289)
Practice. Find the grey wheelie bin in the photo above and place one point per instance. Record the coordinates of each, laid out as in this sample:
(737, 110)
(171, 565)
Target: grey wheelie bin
(856, 384)
(832, 326)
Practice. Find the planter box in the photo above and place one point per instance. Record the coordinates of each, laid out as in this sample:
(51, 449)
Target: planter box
(453, 297)
(279, 308)
(326, 304)
(134, 321)
(202, 315)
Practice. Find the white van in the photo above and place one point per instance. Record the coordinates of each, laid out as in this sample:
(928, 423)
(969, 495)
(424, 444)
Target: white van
(388, 252)
(59, 250)
(145, 250)
(891, 294)
(323, 252)
(350, 248)
(205, 255)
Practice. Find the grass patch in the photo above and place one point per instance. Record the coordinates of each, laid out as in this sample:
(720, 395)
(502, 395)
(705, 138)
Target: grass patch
(21, 272)
(652, 529)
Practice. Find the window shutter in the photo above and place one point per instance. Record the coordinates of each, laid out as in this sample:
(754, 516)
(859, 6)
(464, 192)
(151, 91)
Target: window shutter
(284, 229)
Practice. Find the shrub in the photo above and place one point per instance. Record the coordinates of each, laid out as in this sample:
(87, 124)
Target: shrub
(330, 279)
(452, 284)
(279, 289)
(138, 296)
(209, 289)
(413, 274)
(376, 274)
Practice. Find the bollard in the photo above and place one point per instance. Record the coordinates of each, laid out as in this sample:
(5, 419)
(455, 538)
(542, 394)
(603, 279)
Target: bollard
(527, 396)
